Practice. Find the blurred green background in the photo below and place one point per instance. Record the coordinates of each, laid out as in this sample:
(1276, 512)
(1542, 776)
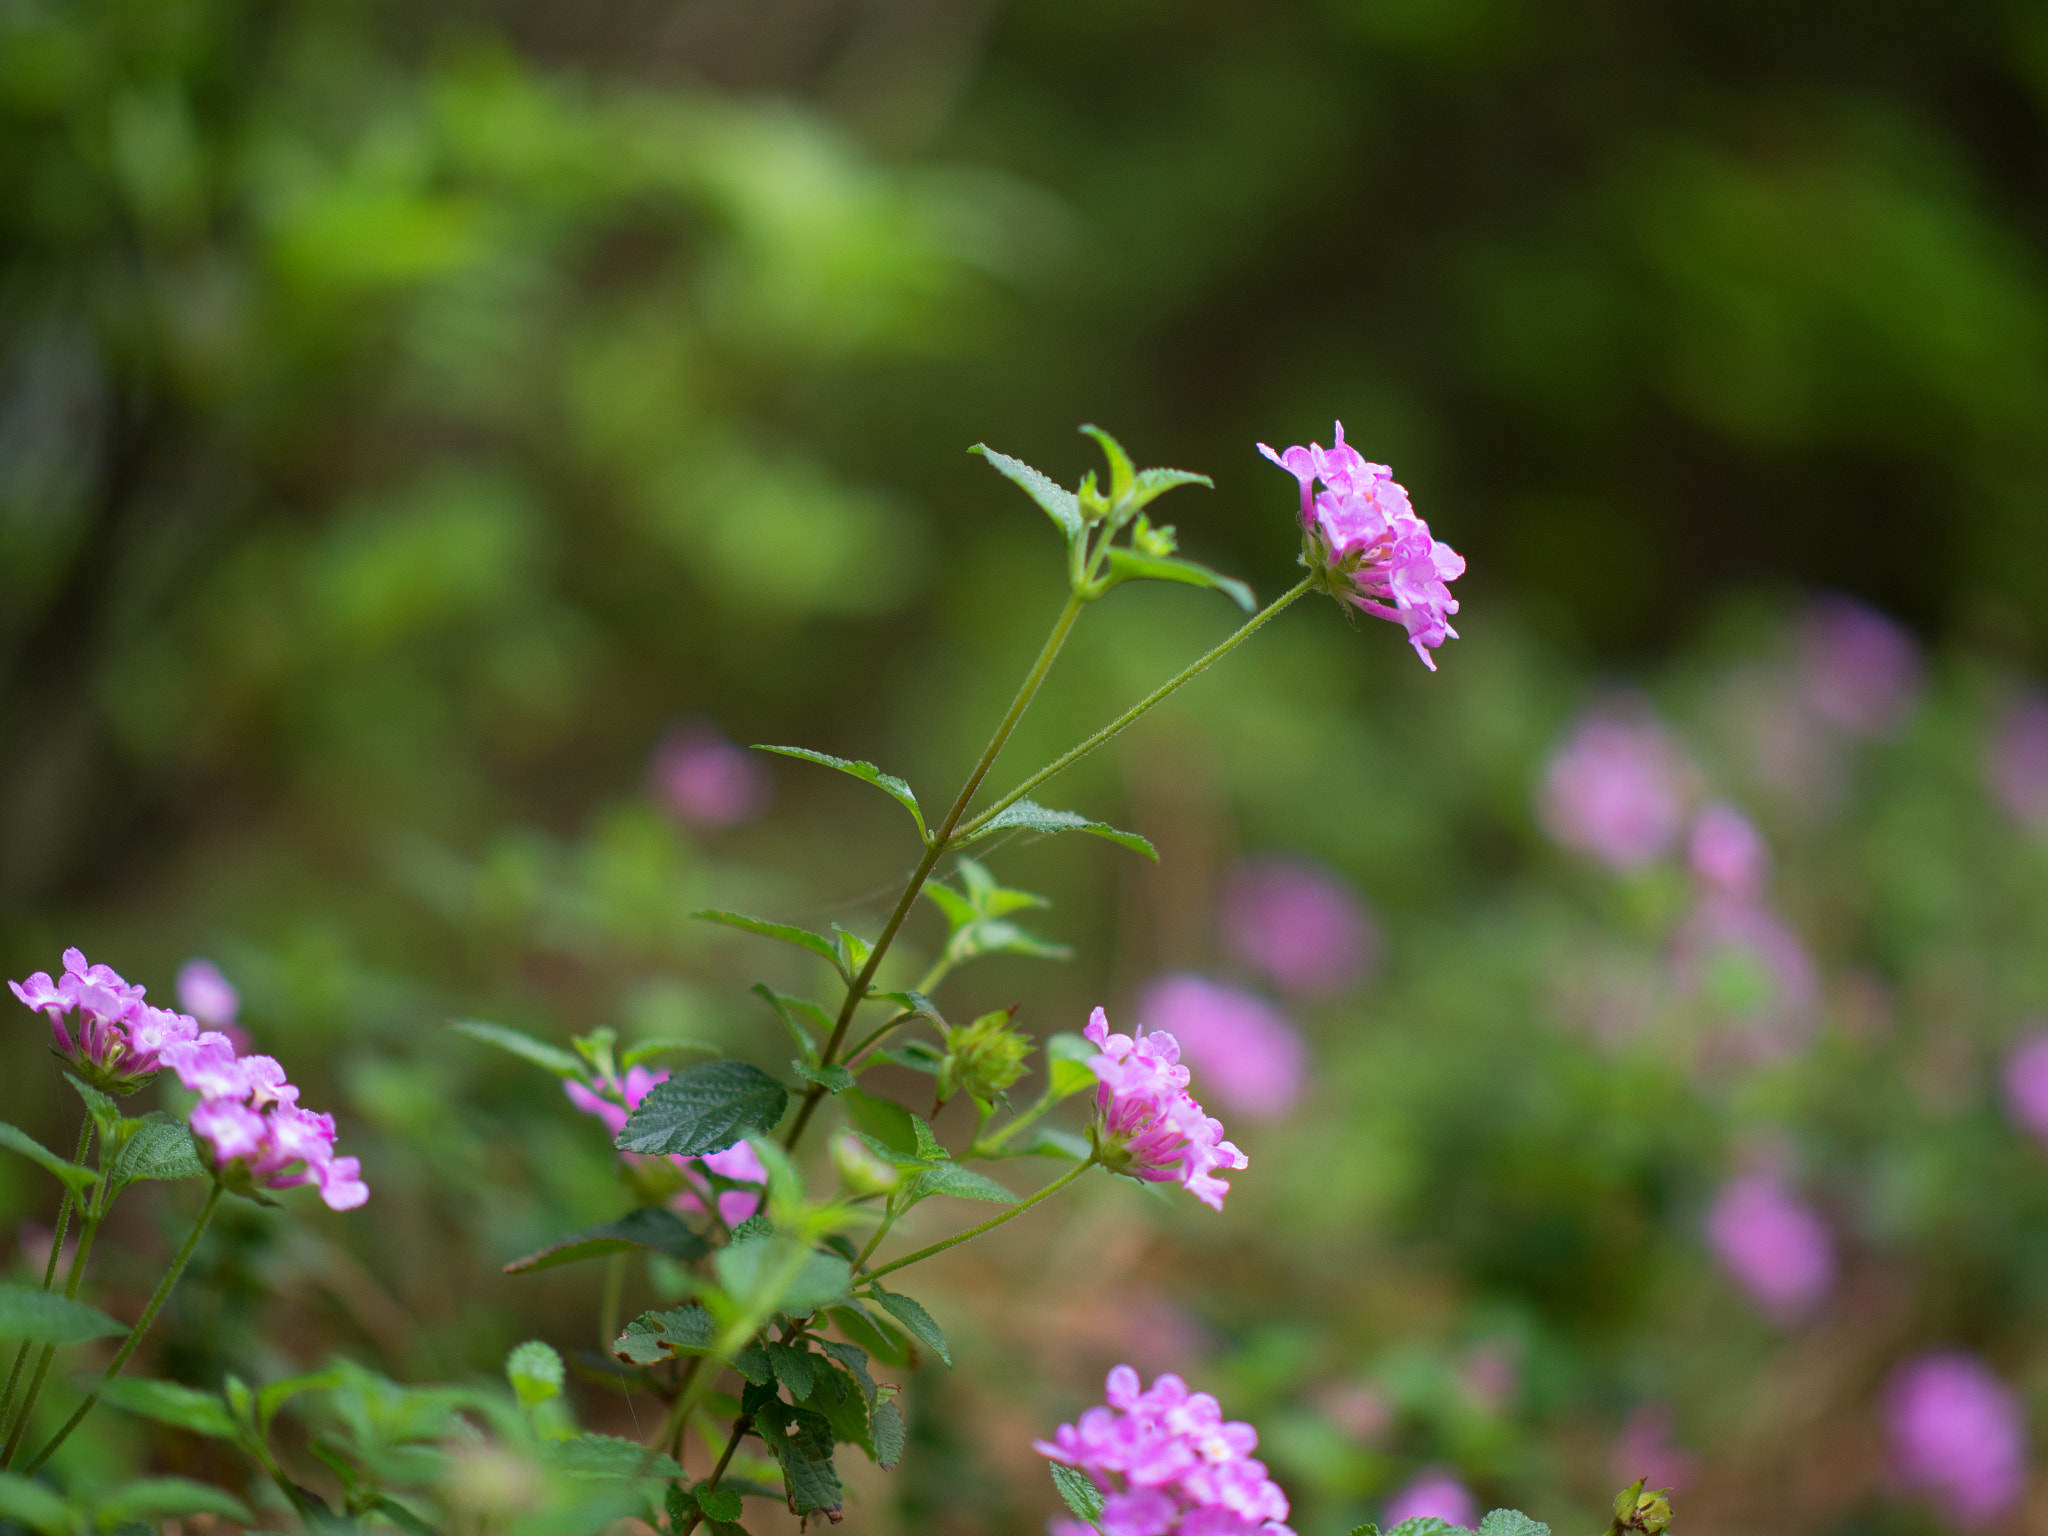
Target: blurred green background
(408, 417)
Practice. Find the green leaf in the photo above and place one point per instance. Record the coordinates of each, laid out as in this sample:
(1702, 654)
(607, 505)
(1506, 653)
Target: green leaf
(915, 1318)
(1428, 1525)
(1130, 565)
(845, 1407)
(1151, 484)
(1078, 1492)
(550, 1057)
(106, 1114)
(1067, 1056)
(794, 1369)
(605, 1456)
(754, 1364)
(867, 773)
(918, 1055)
(802, 938)
(649, 1227)
(285, 1388)
(1030, 816)
(161, 1497)
(721, 1504)
(399, 1516)
(1367, 1529)
(50, 1317)
(834, 1079)
(1048, 1141)
(998, 936)
(1059, 505)
(854, 1360)
(887, 1122)
(853, 950)
(928, 1148)
(886, 1429)
(661, 1045)
(169, 1403)
(1122, 476)
(18, 1140)
(748, 1267)
(958, 909)
(655, 1336)
(704, 1109)
(33, 1505)
(801, 1440)
(1511, 1522)
(951, 1179)
(793, 1011)
(161, 1148)
(875, 1336)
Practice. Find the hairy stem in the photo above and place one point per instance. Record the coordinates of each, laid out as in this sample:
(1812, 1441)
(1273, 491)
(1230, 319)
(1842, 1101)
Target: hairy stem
(857, 989)
(740, 1426)
(89, 1228)
(142, 1324)
(1115, 727)
(990, 1225)
(49, 1269)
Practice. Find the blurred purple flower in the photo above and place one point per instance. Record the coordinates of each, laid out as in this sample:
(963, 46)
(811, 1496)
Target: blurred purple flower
(1251, 1058)
(1858, 669)
(2026, 1082)
(207, 995)
(1644, 1449)
(1491, 1377)
(1360, 1412)
(1772, 1245)
(2018, 759)
(1957, 1434)
(1067, 1525)
(1301, 925)
(1616, 790)
(1432, 1493)
(1729, 855)
(1750, 968)
(705, 780)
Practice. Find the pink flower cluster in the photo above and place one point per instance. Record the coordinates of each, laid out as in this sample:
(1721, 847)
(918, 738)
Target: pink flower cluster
(1169, 1464)
(1957, 1433)
(1616, 789)
(1147, 1123)
(249, 1117)
(737, 1162)
(1303, 926)
(1772, 1245)
(116, 1039)
(1362, 531)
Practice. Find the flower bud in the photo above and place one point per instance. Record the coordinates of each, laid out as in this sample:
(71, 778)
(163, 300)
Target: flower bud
(1640, 1513)
(983, 1058)
(862, 1172)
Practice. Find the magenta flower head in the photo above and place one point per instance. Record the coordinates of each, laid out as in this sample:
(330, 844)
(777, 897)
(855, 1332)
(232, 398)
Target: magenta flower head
(1169, 1464)
(1728, 855)
(2026, 1083)
(706, 781)
(738, 1162)
(251, 1129)
(114, 1040)
(1773, 1246)
(1858, 669)
(2017, 760)
(1616, 790)
(1147, 1125)
(1957, 1435)
(1365, 546)
(1433, 1494)
(1301, 925)
(1254, 1058)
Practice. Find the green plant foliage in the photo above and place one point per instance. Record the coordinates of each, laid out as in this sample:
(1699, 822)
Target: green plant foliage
(867, 773)
(49, 1317)
(913, 1317)
(17, 1140)
(650, 1227)
(703, 1109)
(1078, 1492)
(203, 1413)
(1029, 816)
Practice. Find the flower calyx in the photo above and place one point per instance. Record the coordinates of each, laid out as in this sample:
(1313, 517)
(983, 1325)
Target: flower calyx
(983, 1059)
(1640, 1512)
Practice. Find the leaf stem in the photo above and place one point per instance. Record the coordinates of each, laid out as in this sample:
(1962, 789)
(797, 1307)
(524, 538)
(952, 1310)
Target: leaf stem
(142, 1324)
(89, 1227)
(740, 1426)
(49, 1269)
(990, 1225)
(1115, 727)
(857, 989)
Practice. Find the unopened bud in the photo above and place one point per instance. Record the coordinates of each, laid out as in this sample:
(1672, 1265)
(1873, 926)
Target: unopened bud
(862, 1172)
(1641, 1513)
(983, 1058)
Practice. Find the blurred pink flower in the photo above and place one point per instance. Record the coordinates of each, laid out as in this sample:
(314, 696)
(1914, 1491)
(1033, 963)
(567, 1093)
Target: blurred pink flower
(1360, 1412)
(705, 780)
(212, 999)
(1858, 669)
(1772, 1245)
(1749, 967)
(1252, 1060)
(1729, 855)
(1147, 1124)
(2017, 763)
(1644, 1449)
(2026, 1082)
(1433, 1493)
(1491, 1376)
(1957, 1434)
(1067, 1525)
(1616, 789)
(738, 1162)
(1303, 926)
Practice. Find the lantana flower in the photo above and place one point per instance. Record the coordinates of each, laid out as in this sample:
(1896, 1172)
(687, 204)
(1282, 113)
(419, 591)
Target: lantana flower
(1147, 1124)
(250, 1126)
(738, 1162)
(114, 1040)
(1169, 1464)
(1365, 545)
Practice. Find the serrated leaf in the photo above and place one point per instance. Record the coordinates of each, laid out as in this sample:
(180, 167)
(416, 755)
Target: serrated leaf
(161, 1148)
(649, 1227)
(1127, 564)
(721, 1504)
(1428, 1525)
(161, 1497)
(606, 1456)
(867, 773)
(661, 1045)
(167, 1402)
(854, 1360)
(801, 1440)
(793, 1011)
(704, 1109)
(1367, 1529)
(1077, 1491)
(958, 910)
(802, 938)
(919, 1322)
(965, 1183)
(50, 1317)
(1030, 816)
(794, 1368)
(754, 1364)
(853, 950)
(873, 1335)
(106, 1114)
(656, 1336)
(886, 1429)
(833, 1079)
(886, 1121)
(1059, 505)
(1122, 476)
(18, 1140)
(550, 1057)
(1511, 1522)
(845, 1407)
(928, 1148)
(1151, 484)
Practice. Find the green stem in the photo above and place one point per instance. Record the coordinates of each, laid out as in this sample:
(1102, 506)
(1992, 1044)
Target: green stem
(1115, 727)
(990, 1225)
(882, 1231)
(142, 1324)
(49, 1269)
(89, 1228)
(740, 1426)
(857, 989)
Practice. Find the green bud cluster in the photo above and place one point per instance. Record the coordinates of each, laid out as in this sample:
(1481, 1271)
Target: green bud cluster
(984, 1058)
(1641, 1513)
